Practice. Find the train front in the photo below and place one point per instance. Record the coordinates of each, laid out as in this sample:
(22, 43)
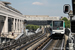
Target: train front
(58, 27)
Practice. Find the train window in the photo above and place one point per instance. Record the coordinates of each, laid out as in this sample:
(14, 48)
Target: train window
(58, 25)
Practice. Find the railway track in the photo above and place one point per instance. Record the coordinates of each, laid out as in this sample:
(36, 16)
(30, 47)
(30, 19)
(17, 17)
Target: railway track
(51, 44)
(38, 47)
(59, 45)
(47, 44)
(26, 46)
(54, 44)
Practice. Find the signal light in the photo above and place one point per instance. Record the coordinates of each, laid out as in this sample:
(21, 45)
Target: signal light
(66, 8)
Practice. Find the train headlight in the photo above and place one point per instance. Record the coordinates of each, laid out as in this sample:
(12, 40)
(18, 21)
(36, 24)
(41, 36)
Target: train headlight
(62, 32)
(53, 32)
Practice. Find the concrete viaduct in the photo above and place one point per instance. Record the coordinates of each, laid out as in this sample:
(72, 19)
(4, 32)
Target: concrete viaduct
(40, 19)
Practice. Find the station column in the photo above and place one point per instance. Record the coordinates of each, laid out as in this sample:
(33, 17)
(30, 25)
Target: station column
(6, 24)
(14, 25)
(19, 26)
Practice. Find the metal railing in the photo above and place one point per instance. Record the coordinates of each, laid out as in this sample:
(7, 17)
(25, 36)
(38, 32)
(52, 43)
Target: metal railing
(20, 41)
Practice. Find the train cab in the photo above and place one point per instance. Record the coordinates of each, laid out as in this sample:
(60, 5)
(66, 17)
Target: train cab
(58, 27)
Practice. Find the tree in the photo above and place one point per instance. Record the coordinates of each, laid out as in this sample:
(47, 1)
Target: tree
(32, 27)
(65, 19)
(67, 22)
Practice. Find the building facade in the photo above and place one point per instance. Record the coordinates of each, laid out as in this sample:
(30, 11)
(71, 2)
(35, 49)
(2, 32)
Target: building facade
(41, 17)
(11, 20)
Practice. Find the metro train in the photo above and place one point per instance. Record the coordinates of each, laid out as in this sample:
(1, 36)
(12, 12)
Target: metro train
(58, 27)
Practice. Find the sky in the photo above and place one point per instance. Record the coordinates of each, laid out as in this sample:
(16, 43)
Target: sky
(40, 7)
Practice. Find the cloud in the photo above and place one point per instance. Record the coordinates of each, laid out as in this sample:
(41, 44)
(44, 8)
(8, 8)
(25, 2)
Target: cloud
(37, 3)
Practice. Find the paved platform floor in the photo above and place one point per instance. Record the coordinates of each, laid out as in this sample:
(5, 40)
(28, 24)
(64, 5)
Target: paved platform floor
(10, 36)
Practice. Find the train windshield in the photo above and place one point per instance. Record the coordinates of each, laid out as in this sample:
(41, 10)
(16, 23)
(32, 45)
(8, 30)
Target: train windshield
(58, 25)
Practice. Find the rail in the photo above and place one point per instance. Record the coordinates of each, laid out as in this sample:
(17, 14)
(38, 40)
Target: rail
(44, 48)
(59, 45)
(25, 46)
(38, 47)
(30, 43)
(54, 44)
(62, 45)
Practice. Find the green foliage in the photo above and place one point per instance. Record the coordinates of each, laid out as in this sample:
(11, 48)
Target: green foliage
(65, 19)
(32, 27)
(67, 22)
